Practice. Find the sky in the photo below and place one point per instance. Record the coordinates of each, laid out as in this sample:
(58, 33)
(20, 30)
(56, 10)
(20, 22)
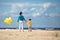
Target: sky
(44, 13)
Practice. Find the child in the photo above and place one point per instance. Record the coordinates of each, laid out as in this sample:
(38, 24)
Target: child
(29, 23)
(20, 20)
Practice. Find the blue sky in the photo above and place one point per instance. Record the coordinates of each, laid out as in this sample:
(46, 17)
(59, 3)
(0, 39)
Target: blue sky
(44, 13)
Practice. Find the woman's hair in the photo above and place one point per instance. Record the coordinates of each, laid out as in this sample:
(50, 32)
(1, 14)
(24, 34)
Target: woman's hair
(20, 13)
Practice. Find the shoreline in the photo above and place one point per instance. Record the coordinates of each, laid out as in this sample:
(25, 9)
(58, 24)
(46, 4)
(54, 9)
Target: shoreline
(32, 30)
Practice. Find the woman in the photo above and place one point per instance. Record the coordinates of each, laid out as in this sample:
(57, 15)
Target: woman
(20, 20)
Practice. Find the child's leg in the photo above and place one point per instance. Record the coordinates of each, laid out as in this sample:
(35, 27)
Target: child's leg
(29, 29)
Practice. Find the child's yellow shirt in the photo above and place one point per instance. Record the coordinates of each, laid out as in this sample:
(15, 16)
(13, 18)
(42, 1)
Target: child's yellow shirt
(29, 23)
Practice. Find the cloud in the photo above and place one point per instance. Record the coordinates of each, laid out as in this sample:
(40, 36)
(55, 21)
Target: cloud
(32, 9)
(52, 14)
(46, 5)
(13, 8)
(25, 10)
(46, 14)
(36, 14)
(24, 7)
(14, 15)
(29, 4)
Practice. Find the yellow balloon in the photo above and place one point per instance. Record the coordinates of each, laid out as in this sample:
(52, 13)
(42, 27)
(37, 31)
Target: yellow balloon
(8, 20)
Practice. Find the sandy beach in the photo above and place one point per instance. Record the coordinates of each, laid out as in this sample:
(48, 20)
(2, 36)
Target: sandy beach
(34, 35)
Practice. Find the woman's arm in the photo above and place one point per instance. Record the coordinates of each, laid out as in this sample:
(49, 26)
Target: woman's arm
(18, 19)
(24, 19)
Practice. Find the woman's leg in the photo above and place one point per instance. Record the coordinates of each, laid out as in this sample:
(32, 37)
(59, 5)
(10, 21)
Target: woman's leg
(19, 26)
(22, 25)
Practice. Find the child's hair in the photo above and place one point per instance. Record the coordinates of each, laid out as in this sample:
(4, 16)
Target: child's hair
(29, 19)
(20, 13)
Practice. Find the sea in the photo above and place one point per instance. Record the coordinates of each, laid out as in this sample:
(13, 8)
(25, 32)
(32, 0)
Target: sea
(35, 28)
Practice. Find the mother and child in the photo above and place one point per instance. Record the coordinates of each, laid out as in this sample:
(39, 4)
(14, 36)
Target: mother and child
(21, 20)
